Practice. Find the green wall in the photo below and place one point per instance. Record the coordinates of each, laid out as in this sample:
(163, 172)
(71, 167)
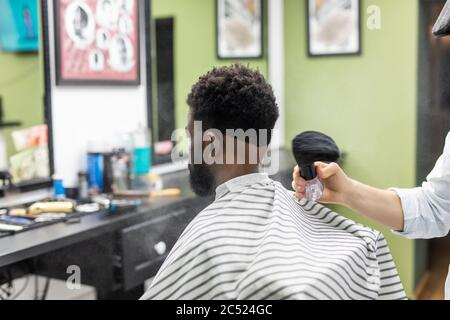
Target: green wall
(367, 103)
(21, 86)
(195, 46)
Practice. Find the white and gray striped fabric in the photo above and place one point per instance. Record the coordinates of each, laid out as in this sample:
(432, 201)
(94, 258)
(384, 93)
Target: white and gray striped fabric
(256, 241)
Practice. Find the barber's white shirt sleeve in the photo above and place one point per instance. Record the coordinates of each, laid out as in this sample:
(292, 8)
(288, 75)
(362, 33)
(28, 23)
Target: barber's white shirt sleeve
(427, 209)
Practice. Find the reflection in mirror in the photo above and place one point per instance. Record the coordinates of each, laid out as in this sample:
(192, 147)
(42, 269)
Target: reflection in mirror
(165, 86)
(184, 48)
(23, 133)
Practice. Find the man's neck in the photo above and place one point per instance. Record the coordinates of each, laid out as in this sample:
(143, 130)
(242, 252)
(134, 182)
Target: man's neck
(233, 171)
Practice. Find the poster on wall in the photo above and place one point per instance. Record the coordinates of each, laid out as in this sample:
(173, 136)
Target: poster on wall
(239, 29)
(334, 27)
(97, 42)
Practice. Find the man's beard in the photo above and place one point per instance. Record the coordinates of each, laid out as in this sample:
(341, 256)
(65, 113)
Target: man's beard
(201, 179)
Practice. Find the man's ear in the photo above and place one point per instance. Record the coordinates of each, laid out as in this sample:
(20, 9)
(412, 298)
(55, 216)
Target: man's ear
(208, 139)
(210, 136)
(213, 146)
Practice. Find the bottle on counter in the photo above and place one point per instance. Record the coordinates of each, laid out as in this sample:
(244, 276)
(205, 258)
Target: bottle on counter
(97, 149)
(142, 151)
(142, 155)
(121, 170)
(58, 187)
(83, 186)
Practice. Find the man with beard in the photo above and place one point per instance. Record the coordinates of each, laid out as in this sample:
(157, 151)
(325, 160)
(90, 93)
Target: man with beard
(256, 241)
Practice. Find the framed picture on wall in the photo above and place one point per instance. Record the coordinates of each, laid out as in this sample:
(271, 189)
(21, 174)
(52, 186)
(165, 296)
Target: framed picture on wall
(334, 27)
(239, 29)
(97, 42)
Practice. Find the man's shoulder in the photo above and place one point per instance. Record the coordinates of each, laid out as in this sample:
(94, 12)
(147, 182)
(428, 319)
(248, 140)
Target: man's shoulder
(327, 216)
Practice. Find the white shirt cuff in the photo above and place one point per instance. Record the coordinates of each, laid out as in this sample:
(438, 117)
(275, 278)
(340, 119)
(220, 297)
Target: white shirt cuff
(408, 198)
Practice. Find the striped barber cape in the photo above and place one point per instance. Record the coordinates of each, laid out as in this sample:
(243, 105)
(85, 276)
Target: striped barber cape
(256, 242)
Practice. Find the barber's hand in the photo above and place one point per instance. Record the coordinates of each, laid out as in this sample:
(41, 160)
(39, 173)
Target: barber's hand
(336, 183)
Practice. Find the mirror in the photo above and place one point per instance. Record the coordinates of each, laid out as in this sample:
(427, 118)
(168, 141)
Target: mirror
(187, 43)
(24, 149)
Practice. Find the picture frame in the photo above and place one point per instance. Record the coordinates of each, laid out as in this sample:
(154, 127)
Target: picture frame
(97, 42)
(239, 29)
(333, 27)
